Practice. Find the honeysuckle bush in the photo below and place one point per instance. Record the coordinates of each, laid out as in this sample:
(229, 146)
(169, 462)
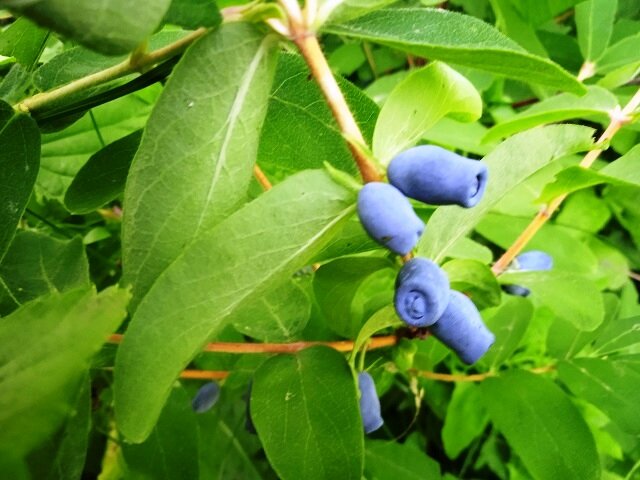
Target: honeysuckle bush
(173, 171)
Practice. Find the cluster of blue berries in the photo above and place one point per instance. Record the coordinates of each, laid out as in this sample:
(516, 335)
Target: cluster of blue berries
(423, 297)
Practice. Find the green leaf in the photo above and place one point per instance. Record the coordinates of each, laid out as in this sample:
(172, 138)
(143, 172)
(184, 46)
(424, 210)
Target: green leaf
(465, 248)
(539, 11)
(103, 177)
(171, 452)
(584, 210)
(508, 322)
(299, 131)
(111, 27)
(594, 24)
(417, 103)
(509, 164)
(63, 331)
(562, 107)
(192, 14)
(24, 41)
(451, 37)
(37, 264)
(542, 426)
(624, 52)
(623, 171)
(618, 335)
(350, 9)
(510, 21)
(198, 149)
(305, 409)
(278, 316)
(259, 246)
(609, 385)
(381, 320)
(474, 279)
(569, 296)
(66, 151)
(386, 460)
(63, 455)
(19, 163)
(335, 285)
(466, 419)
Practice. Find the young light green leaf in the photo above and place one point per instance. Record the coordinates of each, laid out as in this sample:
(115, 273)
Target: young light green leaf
(452, 37)
(623, 171)
(609, 385)
(389, 459)
(305, 409)
(618, 335)
(298, 116)
(569, 296)
(542, 426)
(259, 246)
(562, 107)
(624, 52)
(111, 27)
(417, 103)
(103, 177)
(508, 322)
(594, 24)
(335, 285)
(475, 279)
(172, 450)
(466, 419)
(509, 164)
(37, 264)
(382, 319)
(278, 316)
(197, 149)
(19, 164)
(63, 331)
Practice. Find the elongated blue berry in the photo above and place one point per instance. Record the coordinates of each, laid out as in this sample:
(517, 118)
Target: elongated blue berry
(369, 403)
(462, 330)
(422, 292)
(388, 217)
(532, 260)
(206, 397)
(437, 176)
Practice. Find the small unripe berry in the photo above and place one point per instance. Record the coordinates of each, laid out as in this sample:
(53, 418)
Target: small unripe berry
(437, 176)
(422, 292)
(388, 217)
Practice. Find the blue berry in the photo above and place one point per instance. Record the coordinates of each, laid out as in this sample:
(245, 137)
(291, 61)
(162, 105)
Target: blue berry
(461, 329)
(532, 260)
(369, 403)
(388, 217)
(421, 292)
(206, 397)
(437, 176)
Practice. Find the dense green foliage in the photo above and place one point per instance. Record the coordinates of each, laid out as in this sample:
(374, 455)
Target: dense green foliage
(129, 204)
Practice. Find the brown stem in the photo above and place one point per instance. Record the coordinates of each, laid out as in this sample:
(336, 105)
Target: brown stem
(310, 49)
(618, 120)
(242, 348)
(261, 178)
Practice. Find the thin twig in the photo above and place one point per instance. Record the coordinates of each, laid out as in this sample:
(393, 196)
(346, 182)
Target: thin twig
(476, 377)
(243, 348)
(261, 178)
(635, 276)
(619, 118)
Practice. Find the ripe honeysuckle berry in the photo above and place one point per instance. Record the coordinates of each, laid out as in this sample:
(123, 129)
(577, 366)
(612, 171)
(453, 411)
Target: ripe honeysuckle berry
(421, 292)
(462, 330)
(206, 397)
(388, 217)
(437, 176)
(533, 260)
(528, 261)
(369, 403)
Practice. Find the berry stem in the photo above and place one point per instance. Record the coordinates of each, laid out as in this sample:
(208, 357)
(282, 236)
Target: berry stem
(475, 377)
(309, 47)
(619, 118)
